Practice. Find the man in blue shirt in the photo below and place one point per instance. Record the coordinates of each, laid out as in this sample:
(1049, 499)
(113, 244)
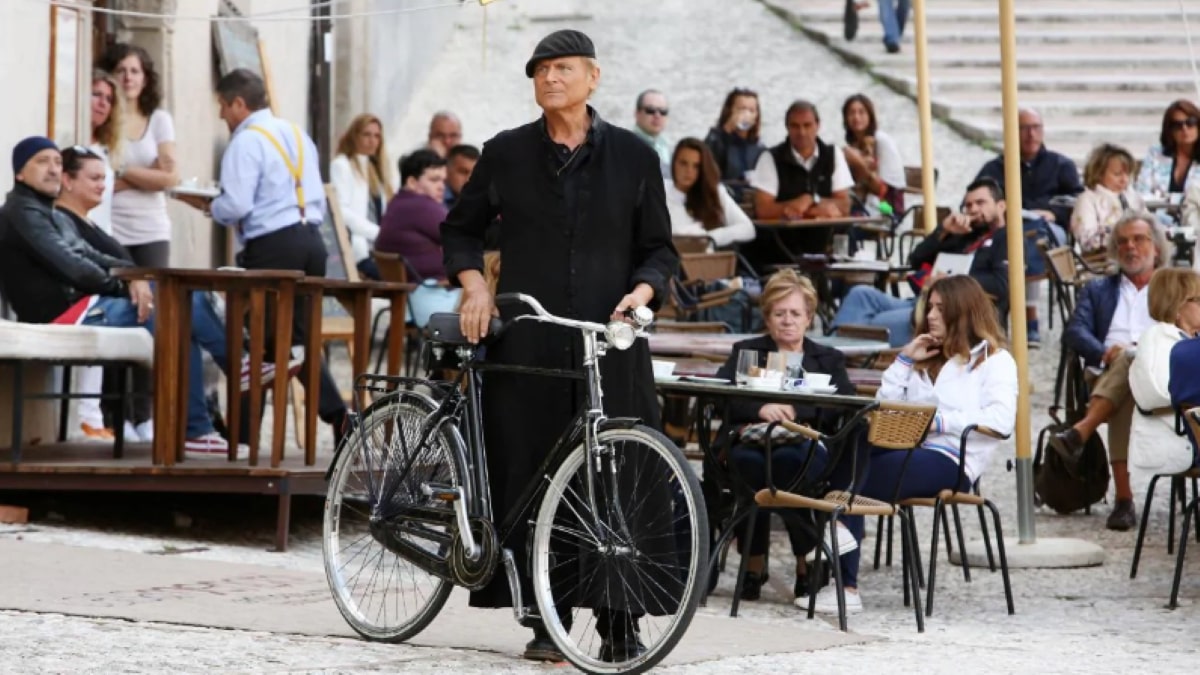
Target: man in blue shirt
(273, 197)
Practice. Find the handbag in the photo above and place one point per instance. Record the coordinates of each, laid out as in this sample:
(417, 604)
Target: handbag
(429, 298)
(756, 434)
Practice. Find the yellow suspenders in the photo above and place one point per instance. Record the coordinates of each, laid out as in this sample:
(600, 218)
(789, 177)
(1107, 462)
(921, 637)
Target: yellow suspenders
(295, 169)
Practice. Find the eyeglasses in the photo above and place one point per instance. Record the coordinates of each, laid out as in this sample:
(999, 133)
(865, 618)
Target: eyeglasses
(1135, 240)
(1188, 122)
(651, 110)
(1029, 127)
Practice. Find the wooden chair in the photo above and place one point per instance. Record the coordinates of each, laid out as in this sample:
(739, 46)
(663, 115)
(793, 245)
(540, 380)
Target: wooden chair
(393, 267)
(688, 296)
(894, 425)
(689, 244)
(914, 180)
(880, 333)
(690, 327)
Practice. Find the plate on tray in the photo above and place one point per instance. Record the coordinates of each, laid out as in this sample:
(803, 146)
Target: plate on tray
(205, 192)
(666, 378)
(825, 389)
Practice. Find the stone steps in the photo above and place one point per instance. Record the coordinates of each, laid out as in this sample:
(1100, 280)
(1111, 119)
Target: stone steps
(1098, 70)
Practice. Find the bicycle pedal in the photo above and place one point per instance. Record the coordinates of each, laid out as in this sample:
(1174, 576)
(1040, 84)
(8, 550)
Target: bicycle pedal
(443, 493)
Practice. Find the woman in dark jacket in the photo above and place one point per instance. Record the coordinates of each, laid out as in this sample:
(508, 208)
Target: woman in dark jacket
(788, 303)
(734, 141)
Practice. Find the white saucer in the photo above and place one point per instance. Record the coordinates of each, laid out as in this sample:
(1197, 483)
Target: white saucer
(706, 380)
(827, 389)
(666, 378)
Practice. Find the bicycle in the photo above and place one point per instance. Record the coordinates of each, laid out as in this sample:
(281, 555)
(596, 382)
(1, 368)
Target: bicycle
(618, 527)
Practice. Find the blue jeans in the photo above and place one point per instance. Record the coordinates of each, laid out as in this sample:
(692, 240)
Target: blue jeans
(866, 305)
(893, 14)
(208, 332)
(927, 473)
(786, 463)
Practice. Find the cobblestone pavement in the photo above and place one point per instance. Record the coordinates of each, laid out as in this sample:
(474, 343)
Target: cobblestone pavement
(1092, 620)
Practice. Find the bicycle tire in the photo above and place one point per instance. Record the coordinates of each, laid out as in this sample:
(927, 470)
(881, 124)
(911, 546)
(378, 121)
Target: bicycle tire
(667, 555)
(377, 614)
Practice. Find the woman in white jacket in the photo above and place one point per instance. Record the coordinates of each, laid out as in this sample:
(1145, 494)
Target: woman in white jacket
(1174, 300)
(958, 363)
(361, 175)
(1107, 197)
(698, 204)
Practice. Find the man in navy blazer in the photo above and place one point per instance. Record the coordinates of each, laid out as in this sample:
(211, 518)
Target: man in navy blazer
(1111, 314)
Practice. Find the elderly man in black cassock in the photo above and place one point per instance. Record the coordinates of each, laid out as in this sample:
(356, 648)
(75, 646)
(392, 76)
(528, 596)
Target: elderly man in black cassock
(584, 229)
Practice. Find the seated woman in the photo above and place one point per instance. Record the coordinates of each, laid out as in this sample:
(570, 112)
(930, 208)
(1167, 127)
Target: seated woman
(958, 363)
(873, 158)
(1174, 301)
(1107, 197)
(83, 188)
(1173, 164)
(734, 141)
(698, 204)
(788, 303)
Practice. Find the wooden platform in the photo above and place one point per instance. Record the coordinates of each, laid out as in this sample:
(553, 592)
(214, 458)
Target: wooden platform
(91, 467)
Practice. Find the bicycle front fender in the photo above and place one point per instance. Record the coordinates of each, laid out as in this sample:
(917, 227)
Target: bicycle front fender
(620, 423)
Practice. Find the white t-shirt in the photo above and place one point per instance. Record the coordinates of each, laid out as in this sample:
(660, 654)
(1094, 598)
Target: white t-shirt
(1132, 317)
(102, 214)
(737, 226)
(140, 217)
(765, 176)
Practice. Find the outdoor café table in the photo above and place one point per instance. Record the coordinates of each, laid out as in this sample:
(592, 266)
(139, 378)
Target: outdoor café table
(721, 344)
(862, 378)
(356, 297)
(721, 396)
(172, 343)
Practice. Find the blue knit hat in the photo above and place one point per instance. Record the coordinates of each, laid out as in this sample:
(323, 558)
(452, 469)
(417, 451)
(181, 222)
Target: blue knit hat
(26, 149)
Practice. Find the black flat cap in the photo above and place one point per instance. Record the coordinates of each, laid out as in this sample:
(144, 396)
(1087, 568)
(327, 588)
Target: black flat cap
(560, 43)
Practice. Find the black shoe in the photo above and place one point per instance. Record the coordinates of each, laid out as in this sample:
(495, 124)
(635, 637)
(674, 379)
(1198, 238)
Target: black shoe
(1123, 517)
(752, 586)
(892, 47)
(850, 20)
(616, 651)
(542, 647)
(1068, 444)
(800, 588)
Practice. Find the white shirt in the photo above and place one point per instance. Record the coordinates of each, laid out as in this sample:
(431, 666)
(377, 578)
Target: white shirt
(102, 214)
(258, 195)
(765, 176)
(1132, 317)
(737, 226)
(891, 164)
(138, 216)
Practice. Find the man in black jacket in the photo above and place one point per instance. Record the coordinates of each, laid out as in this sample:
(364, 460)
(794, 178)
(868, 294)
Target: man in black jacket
(51, 275)
(976, 231)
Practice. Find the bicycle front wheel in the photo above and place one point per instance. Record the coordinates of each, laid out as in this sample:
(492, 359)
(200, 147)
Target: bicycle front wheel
(377, 479)
(619, 550)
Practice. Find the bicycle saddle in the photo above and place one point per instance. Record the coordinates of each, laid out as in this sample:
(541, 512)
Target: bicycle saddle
(445, 328)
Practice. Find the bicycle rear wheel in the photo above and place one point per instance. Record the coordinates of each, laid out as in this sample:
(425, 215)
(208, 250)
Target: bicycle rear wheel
(619, 551)
(378, 475)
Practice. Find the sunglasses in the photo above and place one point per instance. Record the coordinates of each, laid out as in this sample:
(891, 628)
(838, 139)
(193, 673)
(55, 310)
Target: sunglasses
(651, 110)
(82, 152)
(1188, 122)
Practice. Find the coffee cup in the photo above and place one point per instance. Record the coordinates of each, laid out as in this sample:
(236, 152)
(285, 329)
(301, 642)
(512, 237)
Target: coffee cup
(662, 368)
(812, 379)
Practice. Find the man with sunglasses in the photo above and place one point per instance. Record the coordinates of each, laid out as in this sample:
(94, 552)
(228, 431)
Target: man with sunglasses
(650, 116)
(1111, 314)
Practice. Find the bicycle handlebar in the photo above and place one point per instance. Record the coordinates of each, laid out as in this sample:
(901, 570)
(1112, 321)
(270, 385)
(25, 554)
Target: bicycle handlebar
(642, 316)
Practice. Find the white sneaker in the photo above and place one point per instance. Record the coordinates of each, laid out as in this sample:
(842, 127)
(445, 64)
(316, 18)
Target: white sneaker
(209, 444)
(131, 434)
(145, 431)
(846, 543)
(827, 601)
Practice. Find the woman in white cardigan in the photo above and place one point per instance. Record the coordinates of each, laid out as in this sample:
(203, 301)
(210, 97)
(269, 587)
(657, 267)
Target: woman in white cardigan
(1174, 300)
(958, 363)
(698, 204)
(1107, 197)
(362, 178)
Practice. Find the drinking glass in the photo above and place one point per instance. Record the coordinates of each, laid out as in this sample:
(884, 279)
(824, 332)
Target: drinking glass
(747, 365)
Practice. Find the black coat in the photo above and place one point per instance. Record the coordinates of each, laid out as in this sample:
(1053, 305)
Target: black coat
(817, 359)
(578, 231)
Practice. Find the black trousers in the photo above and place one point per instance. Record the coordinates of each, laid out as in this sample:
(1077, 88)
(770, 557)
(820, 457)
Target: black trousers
(298, 247)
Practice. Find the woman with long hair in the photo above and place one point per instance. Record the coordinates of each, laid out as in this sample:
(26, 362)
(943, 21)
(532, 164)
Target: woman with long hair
(958, 362)
(734, 141)
(1173, 164)
(107, 140)
(872, 156)
(1106, 197)
(697, 202)
(147, 162)
(361, 175)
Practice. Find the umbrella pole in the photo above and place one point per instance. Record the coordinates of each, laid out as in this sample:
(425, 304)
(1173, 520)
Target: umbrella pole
(1016, 270)
(925, 116)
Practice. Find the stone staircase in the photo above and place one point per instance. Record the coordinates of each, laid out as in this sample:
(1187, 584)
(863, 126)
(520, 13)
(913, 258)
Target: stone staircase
(1097, 70)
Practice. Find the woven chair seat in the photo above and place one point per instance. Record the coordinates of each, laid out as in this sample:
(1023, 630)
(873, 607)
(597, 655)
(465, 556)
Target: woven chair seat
(949, 497)
(834, 501)
(899, 426)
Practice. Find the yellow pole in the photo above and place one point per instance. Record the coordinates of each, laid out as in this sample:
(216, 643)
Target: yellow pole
(925, 113)
(1016, 269)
